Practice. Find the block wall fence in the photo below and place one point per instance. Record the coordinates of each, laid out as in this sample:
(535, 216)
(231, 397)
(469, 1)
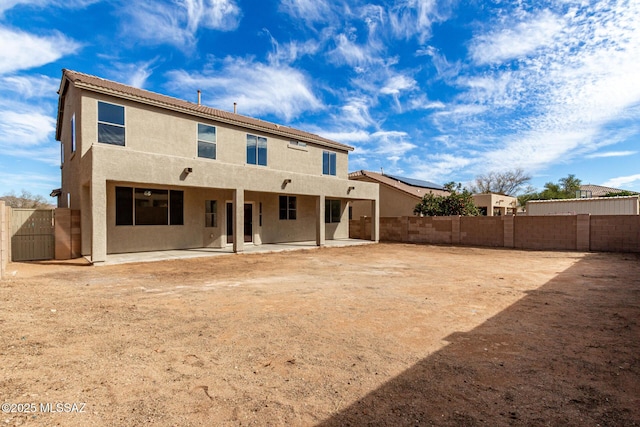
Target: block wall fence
(603, 233)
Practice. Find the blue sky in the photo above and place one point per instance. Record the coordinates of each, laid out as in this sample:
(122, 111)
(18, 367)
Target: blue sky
(431, 89)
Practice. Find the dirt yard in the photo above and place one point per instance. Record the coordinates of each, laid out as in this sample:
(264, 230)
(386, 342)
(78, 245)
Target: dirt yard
(385, 335)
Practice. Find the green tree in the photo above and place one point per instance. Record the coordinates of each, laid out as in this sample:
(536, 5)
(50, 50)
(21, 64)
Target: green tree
(570, 185)
(565, 188)
(458, 202)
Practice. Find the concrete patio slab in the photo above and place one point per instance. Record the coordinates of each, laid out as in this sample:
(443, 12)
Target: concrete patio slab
(249, 248)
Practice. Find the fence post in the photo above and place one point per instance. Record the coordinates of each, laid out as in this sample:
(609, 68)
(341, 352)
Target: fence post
(455, 230)
(583, 232)
(508, 222)
(404, 228)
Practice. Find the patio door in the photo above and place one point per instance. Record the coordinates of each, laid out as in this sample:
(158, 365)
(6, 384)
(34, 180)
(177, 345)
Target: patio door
(248, 222)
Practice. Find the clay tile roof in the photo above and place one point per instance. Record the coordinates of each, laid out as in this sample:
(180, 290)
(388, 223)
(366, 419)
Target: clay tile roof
(97, 84)
(410, 186)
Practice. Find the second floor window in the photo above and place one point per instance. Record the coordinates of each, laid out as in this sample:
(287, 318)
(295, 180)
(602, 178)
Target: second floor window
(328, 163)
(110, 123)
(73, 133)
(206, 141)
(256, 150)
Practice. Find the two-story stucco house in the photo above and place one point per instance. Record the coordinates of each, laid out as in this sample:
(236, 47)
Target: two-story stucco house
(152, 172)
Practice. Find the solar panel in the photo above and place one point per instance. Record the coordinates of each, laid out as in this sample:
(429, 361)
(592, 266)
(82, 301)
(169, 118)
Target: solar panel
(416, 182)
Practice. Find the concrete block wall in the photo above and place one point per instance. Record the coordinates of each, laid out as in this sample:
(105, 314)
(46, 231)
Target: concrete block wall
(482, 231)
(546, 232)
(393, 229)
(615, 233)
(429, 229)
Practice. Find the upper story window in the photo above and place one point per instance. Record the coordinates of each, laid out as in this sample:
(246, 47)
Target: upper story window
(110, 123)
(206, 141)
(256, 150)
(328, 163)
(73, 133)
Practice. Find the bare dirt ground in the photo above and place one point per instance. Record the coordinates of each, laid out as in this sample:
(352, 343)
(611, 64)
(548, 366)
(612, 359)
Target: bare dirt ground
(387, 334)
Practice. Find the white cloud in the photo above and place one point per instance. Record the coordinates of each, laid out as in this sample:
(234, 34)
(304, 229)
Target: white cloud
(22, 51)
(410, 18)
(28, 179)
(348, 52)
(611, 154)
(346, 137)
(258, 88)
(397, 84)
(560, 100)
(177, 23)
(501, 91)
(293, 50)
(23, 129)
(421, 102)
(133, 74)
(310, 11)
(515, 42)
(26, 132)
(437, 167)
(623, 181)
(29, 86)
(355, 112)
(393, 144)
(223, 15)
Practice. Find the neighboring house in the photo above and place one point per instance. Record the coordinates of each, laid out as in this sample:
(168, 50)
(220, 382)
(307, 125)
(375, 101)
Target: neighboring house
(151, 172)
(398, 195)
(626, 205)
(589, 190)
(491, 204)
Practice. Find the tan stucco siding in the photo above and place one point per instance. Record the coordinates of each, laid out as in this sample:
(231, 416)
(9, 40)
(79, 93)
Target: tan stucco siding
(393, 202)
(160, 145)
(194, 234)
(153, 130)
(117, 163)
(71, 168)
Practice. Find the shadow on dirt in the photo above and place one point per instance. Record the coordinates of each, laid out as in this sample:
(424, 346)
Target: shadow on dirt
(567, 354)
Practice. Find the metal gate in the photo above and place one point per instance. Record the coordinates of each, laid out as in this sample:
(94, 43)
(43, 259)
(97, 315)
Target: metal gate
(32, 234)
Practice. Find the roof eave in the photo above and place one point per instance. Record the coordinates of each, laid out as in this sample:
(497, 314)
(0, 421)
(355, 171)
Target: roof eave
(191, 112)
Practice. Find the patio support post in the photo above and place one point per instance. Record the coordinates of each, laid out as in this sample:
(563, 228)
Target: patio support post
(238, 220)
(320, 226)
(98, 221)
(375, 221)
